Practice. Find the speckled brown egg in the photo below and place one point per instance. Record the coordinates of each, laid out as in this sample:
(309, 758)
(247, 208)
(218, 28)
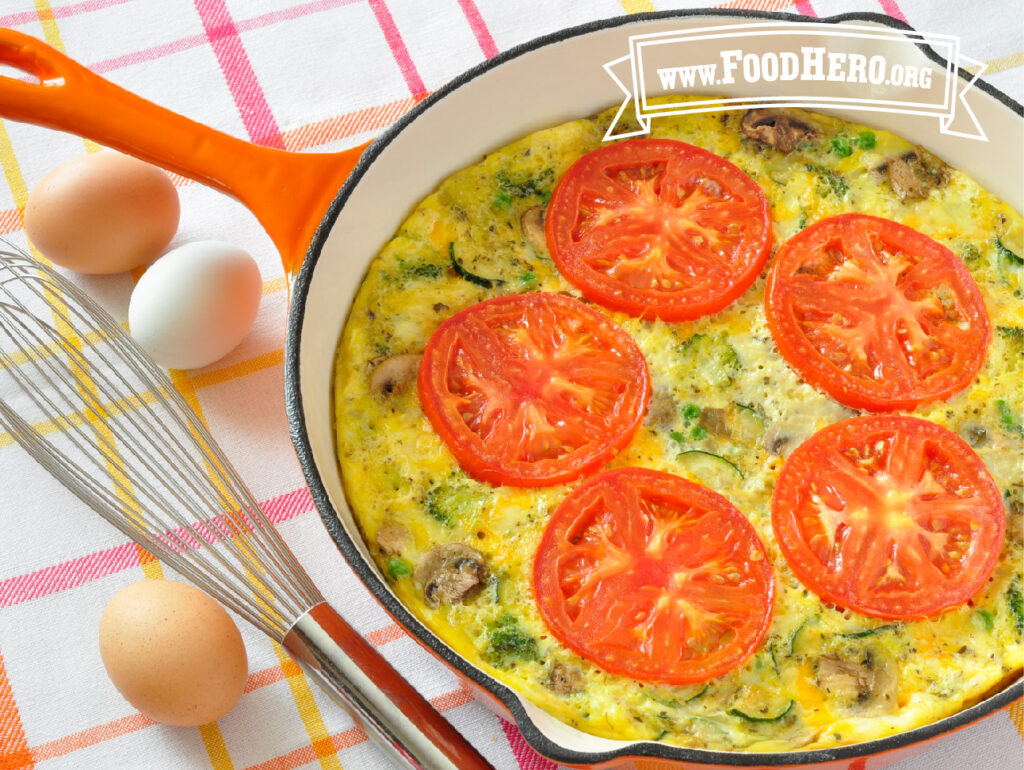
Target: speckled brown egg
(173, 652)
(102, 213)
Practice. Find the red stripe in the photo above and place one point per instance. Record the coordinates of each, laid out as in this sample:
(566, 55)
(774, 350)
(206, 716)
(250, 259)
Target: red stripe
(252, 105)
(398, 49)
(890, 7)
(804, 7)
(29, 17)
(476, 23)
(85, 569)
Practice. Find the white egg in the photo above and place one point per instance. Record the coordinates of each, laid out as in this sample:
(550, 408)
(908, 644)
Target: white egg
(195, 304)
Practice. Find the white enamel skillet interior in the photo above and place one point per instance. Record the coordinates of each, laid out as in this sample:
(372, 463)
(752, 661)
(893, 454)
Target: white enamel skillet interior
(540, 84)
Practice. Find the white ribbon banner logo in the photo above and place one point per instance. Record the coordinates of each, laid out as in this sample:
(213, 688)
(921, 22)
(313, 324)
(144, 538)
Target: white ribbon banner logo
(792, 64)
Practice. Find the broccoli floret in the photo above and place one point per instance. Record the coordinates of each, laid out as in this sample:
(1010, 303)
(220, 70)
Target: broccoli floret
(419, 269)
(710, 361)
(538, 186)
(970, 255)
(508, 641)
(454, 498)
(1007, 418)
(828, 180)
(1015, 601)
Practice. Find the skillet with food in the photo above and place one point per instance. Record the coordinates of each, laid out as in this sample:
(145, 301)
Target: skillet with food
(354, 226)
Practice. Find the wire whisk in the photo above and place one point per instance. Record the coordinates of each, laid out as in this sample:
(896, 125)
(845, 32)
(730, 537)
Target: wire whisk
(85, 401)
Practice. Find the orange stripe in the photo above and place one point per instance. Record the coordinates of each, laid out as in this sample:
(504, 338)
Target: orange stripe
(391, 633)
(451, 700)
(343, 740)
(14, 752)
(90, 737)
(349, 124)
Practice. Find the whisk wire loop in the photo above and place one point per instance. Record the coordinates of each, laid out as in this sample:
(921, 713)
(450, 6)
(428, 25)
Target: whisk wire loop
(111, 426)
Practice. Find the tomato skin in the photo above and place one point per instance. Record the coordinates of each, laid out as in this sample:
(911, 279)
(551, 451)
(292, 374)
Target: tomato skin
(533, 389)
(892, 516)
(690, 235)
(875, 314)
(653, 577)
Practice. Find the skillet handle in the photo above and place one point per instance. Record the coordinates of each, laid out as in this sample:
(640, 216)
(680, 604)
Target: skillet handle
(289, 192)
(357, 677)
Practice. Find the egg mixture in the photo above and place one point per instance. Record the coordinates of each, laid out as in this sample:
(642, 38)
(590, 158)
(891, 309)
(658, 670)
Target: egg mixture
(725, 411)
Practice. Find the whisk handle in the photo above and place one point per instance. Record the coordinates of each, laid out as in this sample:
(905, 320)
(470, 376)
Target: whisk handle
(356, 676)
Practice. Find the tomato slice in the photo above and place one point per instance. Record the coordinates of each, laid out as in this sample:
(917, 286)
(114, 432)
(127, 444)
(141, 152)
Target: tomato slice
(654, 577)
(891, 516)
(658, 228)
(533, 389)
(876, 314)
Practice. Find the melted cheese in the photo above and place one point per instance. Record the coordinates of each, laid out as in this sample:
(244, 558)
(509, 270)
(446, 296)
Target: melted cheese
(392, 461)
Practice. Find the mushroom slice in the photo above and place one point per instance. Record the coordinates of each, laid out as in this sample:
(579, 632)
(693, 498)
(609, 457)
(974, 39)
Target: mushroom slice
(532, 223)
(392, 538)
(565, 679)
(776, 128)
(914, 174)
(451, 573)
(395, 374)
(716, 421)
(661, 410)
(866, 684)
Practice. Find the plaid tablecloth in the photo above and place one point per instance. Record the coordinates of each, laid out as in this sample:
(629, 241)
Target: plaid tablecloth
(295, 74)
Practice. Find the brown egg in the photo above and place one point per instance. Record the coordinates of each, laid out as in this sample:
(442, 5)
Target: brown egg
(173, 652)
(102, 213)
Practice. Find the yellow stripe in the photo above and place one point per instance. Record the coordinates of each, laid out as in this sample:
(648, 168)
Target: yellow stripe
(265, 361)
(216, 748)
(1001, 64)
(637, 6)
(320, 738)
(274, 285)
(12, 172)
(1016, 712)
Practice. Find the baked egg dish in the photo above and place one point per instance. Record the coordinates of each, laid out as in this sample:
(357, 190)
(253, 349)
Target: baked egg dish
(711, 438)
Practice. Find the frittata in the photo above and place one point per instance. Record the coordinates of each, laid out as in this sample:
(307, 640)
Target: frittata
(722, 409)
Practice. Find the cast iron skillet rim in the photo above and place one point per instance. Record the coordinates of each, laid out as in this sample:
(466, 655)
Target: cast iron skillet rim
(296, 418)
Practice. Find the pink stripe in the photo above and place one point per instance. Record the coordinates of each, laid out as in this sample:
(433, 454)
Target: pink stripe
(398, 49)
(804, 7)
(890, 7)
(29, 17)
(85, 569)
(247, 25)
(70, 574)
(476, 23)
(257, 118)
(527, 758)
